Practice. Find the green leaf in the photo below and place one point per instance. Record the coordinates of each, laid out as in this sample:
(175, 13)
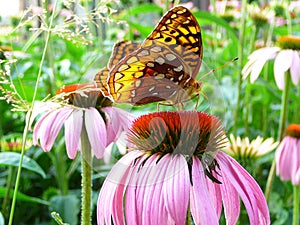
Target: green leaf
(13, 159)
(68, 208)
(1, 219)
(22, 197)
(145, 31)
(144, 8)
(202, 15)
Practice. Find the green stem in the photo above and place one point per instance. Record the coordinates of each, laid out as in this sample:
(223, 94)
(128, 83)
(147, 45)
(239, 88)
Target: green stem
(26, 128)
(282, 122)
(11, 172)
(296, 205)
(241, 59)
(86, 177)
(248, 88)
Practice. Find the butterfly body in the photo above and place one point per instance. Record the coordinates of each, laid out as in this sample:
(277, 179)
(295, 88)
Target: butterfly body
(162, 68)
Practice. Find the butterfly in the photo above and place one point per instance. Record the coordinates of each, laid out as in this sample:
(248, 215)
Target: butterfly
(162, 68)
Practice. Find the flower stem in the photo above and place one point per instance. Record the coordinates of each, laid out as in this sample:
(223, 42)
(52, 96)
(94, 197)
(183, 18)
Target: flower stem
(241, 59)
(11, 172)
(26, 128)
(86, 177)
(296, 205)
(282, 122)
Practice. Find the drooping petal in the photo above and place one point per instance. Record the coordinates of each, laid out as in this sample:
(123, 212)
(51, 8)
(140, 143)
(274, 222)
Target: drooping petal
(202, 209)
(285, 158)
(73, 127)
(247, 188)
(40, 107)
(96, 130)
(109, 205)
(117, 121)
(133, 209)
(177, 189)
(48, 126)
(256, 62)
(215, 195)
(295, 68)
(282, 63)
(230, 199)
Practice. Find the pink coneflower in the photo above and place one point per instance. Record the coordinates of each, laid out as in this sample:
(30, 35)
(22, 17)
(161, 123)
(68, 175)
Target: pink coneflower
(287, 58)
(287, 155)
(83, 104)
(175, 169)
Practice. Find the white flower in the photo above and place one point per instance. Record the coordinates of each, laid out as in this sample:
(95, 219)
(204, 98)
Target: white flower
(285, 59)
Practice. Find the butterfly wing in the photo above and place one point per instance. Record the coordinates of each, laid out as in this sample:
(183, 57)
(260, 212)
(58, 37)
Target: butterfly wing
(150, 74)
(120, 50)
(180, 30)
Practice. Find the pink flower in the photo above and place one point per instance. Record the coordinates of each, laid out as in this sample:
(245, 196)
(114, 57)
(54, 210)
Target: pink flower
(287, 155)
(287, 58)
(87, 106)
(175, 166)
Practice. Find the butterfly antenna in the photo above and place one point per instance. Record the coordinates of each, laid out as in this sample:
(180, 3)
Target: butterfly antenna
(219, 68)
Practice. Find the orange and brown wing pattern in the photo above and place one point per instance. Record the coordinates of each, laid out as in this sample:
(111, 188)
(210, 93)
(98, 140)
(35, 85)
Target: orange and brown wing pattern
(162, 68)
(151, 74)
(120, 50)
(180, 30)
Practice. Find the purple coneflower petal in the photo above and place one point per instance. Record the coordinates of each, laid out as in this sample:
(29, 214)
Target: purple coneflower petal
(247, 188)
(117, 121)
(117, 178)
(176, 188)
(284, 158)
(215, 195)
(96, 130)
(282, 63)
(73, 127)
(230, 199)
(48, 126)
(202, 209)
(256, 62)
(295, 68)
(288, 159)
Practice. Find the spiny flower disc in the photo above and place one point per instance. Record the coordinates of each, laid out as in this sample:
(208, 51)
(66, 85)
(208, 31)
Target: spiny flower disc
(293, 130)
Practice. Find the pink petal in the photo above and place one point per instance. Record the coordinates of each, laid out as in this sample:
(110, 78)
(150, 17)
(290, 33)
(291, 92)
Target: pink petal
(109, 204)
(177, 189)
(282, 63)
(295, 68)
(73, 127)
(287, 159)
(202, 209)
(96, 130)
(284, 157)
(247, 188)
(48, 126)
(256, 62)
(117, 121)
(215, 195)
(231, 201)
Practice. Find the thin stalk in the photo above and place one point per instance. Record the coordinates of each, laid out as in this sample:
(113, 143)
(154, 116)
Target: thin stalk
(248, 88)
(296, 205)
(59, 163)
(241, 59)
(26, 128)
(282, 122)
(86, 177)
(9, 184)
